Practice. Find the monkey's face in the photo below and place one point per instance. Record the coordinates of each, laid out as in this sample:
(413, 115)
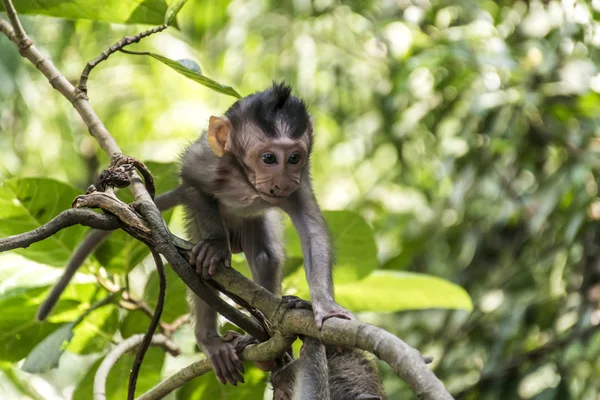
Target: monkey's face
(275, 167)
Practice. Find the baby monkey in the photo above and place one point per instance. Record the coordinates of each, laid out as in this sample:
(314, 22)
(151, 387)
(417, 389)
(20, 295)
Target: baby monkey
(252, 160)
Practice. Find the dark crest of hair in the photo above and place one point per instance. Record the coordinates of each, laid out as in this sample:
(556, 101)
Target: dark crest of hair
(267, 107)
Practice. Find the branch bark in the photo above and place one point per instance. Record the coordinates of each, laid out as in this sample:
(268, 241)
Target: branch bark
(63, 220)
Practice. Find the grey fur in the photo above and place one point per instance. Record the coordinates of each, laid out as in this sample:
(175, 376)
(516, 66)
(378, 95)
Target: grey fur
(351, 375)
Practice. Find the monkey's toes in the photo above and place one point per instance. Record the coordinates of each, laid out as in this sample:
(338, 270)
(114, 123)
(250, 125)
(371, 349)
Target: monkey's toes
(290, 302)
(228, 367)
(330, 310)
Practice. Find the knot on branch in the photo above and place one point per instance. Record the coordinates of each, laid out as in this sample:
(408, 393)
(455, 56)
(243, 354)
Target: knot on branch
(114, 176)
(121, 162)
(133, 223)
(24, 44)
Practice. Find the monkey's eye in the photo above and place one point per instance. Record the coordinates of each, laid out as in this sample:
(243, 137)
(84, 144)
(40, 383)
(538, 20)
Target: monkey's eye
(269, 158)
(294, 158)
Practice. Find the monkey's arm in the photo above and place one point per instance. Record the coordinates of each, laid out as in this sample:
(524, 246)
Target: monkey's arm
(164, 202)
(207, 226)
(312, 382)
(306, 216)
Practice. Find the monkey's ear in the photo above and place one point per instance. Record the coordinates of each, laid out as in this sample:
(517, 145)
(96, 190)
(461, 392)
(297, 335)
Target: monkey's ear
(219, 129)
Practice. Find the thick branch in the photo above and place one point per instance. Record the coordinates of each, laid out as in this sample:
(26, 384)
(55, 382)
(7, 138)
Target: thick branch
(63, 220)
(112, 357)
(163, 243)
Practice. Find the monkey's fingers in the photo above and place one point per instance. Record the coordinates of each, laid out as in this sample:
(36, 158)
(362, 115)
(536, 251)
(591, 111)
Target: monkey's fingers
(230, 369)
(219, 369)
(194, 253)
(330, 310)
(236, 368)
(212, 266)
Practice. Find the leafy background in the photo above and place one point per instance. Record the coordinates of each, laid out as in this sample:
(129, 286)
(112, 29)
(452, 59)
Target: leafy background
(456, 157)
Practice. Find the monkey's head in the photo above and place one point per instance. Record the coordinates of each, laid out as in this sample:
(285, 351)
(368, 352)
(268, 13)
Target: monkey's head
(270, 134)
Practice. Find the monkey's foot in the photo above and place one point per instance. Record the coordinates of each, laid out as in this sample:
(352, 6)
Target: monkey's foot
(207, 254)
(290, 302)
(329, 309)
(240, 342)
(224, 360)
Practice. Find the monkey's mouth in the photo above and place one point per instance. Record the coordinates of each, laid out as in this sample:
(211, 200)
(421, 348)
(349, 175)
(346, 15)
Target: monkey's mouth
(271, 198)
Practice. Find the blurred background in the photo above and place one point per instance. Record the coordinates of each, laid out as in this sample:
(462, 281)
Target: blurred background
(463, 131)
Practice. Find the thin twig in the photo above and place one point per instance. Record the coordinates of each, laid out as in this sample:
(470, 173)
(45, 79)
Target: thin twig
(137, 364)
(20, 36)
(126, 41)
(112, 357)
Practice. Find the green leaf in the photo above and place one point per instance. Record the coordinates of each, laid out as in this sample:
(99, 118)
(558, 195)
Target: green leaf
(175, 301)
(120, 252)
(173, 10)
(46, 354)
(20, 298)
(19, 330)
(126, 12)
(182, 68)
(118, 377)
(27, 203)
(353, 242)
(208, 387)
(390, 291)
(96, 331)
(133, 323)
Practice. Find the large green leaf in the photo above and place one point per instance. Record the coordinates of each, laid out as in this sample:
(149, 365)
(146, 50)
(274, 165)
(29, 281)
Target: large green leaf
(96, 331)
(353, 244)
(128, 12)
(118, 378)
(120, 252)
(27, 203)
(208, 387)
(193, 73)
(46, 354)
(390, 291)
(20, 298)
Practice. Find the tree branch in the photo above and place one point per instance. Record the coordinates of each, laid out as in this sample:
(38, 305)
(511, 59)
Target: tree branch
(137, 364)
(127, 40)
(63, 220)
(112, 357)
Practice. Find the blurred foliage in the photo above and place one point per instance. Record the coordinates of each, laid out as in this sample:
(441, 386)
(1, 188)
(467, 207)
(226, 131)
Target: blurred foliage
(464, 133)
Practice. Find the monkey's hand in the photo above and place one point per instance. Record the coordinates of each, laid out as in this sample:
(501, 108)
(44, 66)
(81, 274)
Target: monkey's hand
(224, 359)
(207, 254)
(324, 310)
(240, 342)
(290, 302)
